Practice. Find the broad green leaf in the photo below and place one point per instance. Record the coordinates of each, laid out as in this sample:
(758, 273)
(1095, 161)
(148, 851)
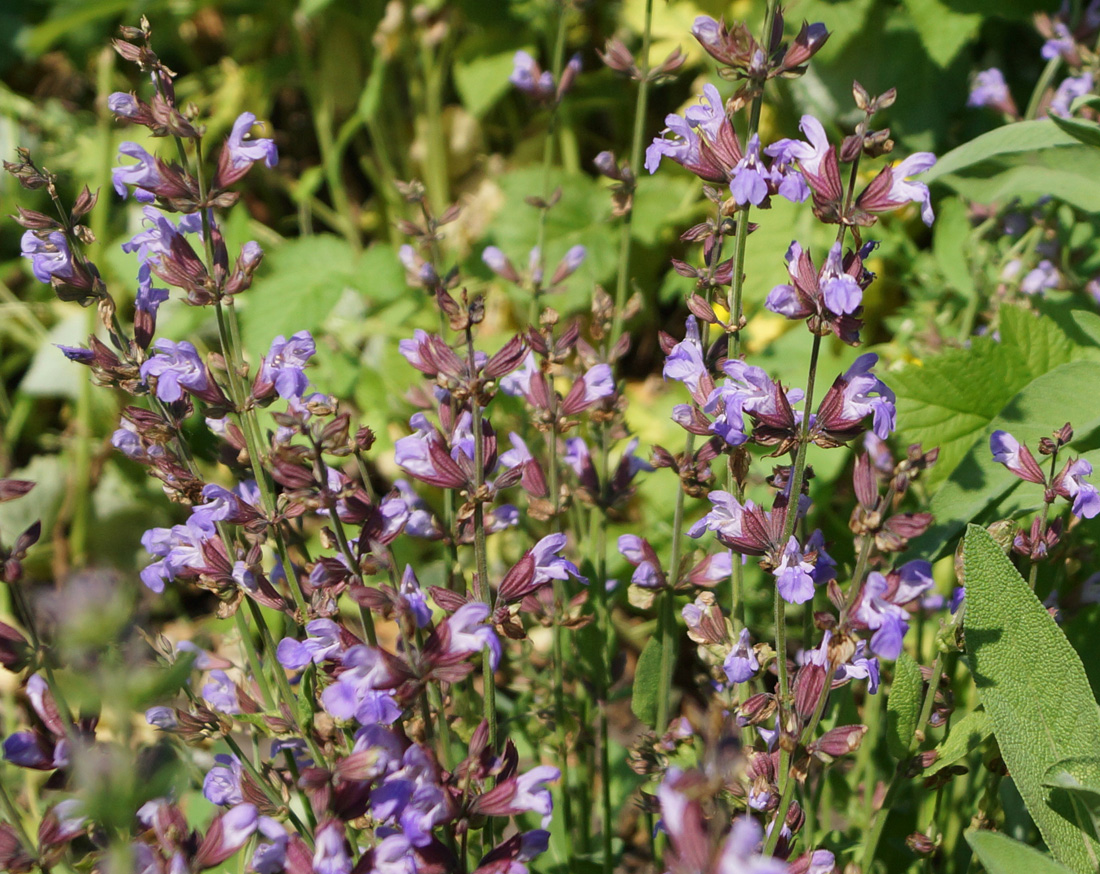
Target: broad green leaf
(903, 706)
(1088, 132)
(1023, 137)
(1034, 689)
(1000, 854)
(303, 281)
(964, 737)
(943, 30)
(981, 489)
(647, 681)
(951, 244)
(1080, 780)
(948, 400)
(482, 79)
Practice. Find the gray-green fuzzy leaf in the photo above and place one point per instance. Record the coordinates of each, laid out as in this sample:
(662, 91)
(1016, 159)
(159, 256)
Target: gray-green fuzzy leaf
(1034, 689)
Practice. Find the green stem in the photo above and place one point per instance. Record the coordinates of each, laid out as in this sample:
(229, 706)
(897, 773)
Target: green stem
(641, 105)
(666, 620)
(1045, 78)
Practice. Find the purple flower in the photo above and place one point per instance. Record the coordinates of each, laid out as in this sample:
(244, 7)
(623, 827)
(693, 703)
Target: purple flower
(180, 549)
(1062, 43)
(839, 289)
(724, 516)
(49, 257)
(532, 794)
(323, 643)
(741, 664)
(597, 383)
(149, 299)
(285, 362)
(1044, 276)
(245, 153)
(551, 566)
(685, 361)
(1086, 500)
(330, 855)
(221, 693)
(78, 354)
(163, 718)
(712, 158)
(857, 401)
(222, 784)
(1008, 451)
(123, 105)
(143, 175)
(155, 242)
(413, 597)
(498, 262)
(794, 576)
(647, 569)
(269, 857)
(528, 77)
(176, 368)
(469, 633)
(808, 155)
(885, 618)
(749, 183)
(740, 851)
(903, 190)
(1068, 91)
(989, 89)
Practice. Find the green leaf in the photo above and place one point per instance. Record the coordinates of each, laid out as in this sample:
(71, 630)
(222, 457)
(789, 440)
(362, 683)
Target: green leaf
(1000, 854)
(947, 400)
(943, 30)
(965, 736)
(647, 681)
(304, 280)
(903, 706)
(1034, 689)
(1088, 132)
(483, 79)
(951, 245)
(1080, 780)
(981, 489)
(1023, 137)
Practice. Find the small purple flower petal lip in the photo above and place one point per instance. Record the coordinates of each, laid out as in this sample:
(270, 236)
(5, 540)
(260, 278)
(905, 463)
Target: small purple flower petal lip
(222, 784)
(469, 633)
(886, 619)
(532, 794)
(740, 851)
(528, 77)
(1068, 91)
(741, 664)
(808, 155)
(904, 189)
(1086, 499)
(123, 104)
(750, 180)
(49, 257)
(685, 362)
(143, 175)
(857, 401)
(1007, 450)
(244, 152)
(840, 290)
(1062, 43)
(794, 577)
(1044, 276)
(989, 89)
(176, 368)
(285, 362)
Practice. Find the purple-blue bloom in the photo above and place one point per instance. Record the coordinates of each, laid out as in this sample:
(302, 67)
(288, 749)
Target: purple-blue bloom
(1068, 91)
(857, 397)
(222, 784)
(749, 183)
(1044, 276)
(741, 664)
(885, 618)
(988, 89)
(143, 175)
(322, 643)
(244, 152)
(176, 368)
(50, 257)
(221, 693)
(839, 289)
(551, 566)
(123, 104)
(1086, 500)
(904, 189)
(685, 362)
(794, 577)
(285, 362)
(149, 299)
(1062, 43)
